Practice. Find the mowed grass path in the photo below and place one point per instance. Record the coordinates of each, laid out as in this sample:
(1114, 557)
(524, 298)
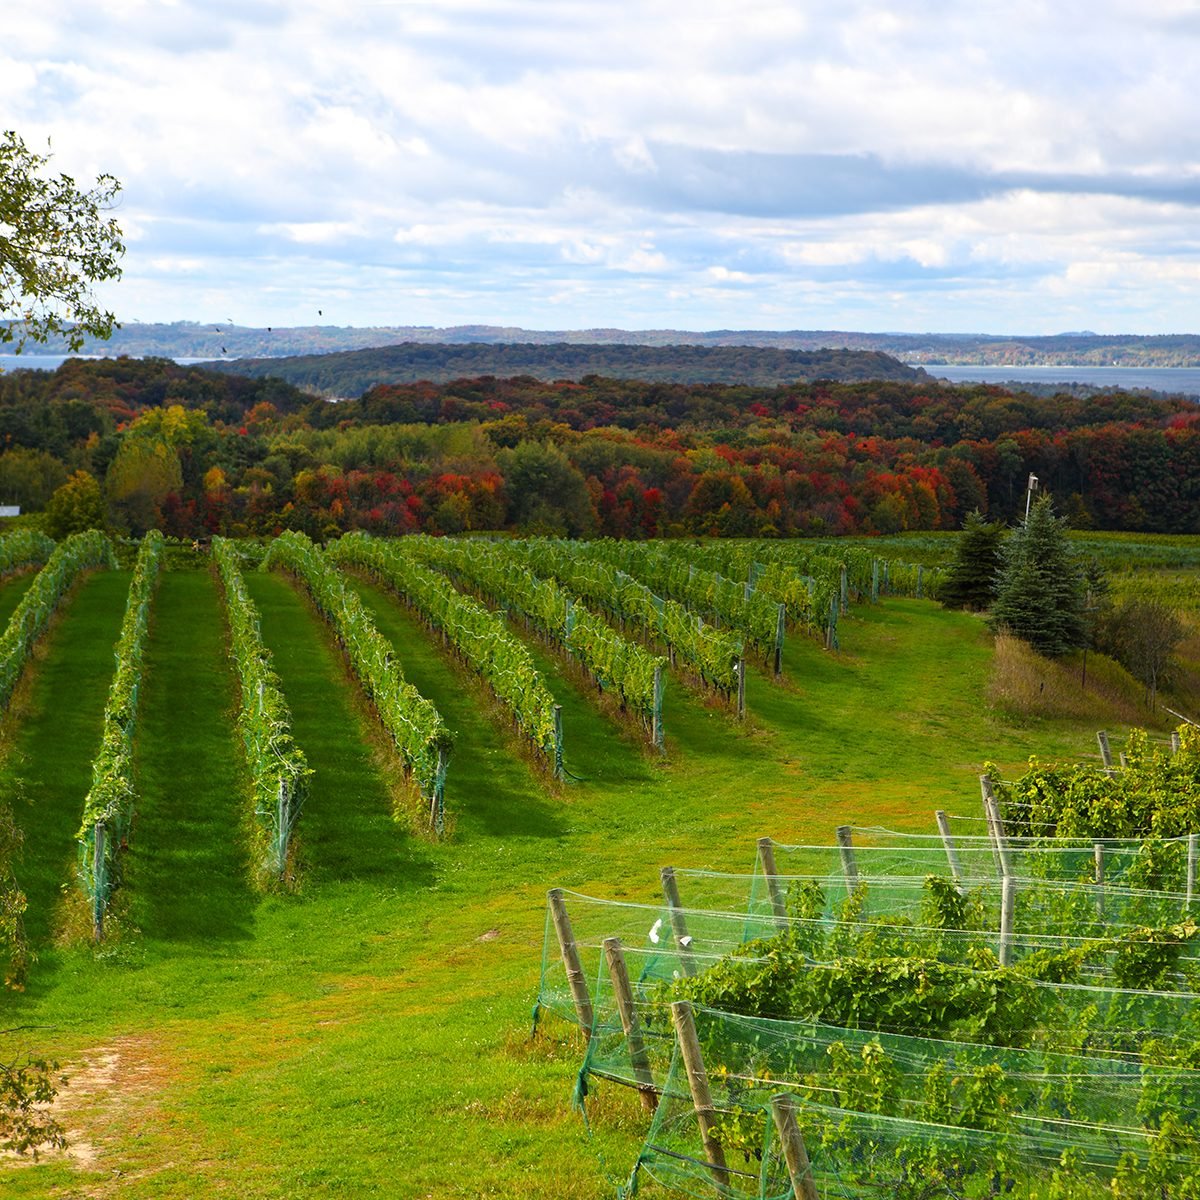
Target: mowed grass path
(368, 1036)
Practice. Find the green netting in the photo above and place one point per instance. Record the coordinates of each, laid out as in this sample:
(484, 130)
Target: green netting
(1144, 863)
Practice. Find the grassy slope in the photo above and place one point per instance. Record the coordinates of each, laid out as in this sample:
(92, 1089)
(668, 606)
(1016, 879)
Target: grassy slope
(369, 1035)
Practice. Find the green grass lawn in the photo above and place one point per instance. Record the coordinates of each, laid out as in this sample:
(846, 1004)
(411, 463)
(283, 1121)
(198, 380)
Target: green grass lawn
(369, 1034)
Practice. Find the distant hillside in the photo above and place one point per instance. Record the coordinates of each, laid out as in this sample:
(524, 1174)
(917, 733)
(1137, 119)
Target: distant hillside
(217, 339)
(353, 372)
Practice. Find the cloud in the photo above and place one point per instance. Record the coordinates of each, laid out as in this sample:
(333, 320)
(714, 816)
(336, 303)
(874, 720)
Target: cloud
(794, 163)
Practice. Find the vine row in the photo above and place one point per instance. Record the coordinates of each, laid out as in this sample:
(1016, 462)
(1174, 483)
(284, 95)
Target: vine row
(109, 805)
(279, 772)
(414, 724)
(477, 636)
(78, 553)
(714, 655)
(616, 664)
(24, 548)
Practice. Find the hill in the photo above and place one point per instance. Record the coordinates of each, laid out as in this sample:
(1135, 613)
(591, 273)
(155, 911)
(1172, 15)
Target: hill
(355, 371)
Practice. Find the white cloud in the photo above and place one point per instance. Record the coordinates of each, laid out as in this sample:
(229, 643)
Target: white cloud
(968, 165)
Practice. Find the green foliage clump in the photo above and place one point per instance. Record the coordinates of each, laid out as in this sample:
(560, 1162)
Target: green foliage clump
(75, 507)
(970, 579)
(1039, 587)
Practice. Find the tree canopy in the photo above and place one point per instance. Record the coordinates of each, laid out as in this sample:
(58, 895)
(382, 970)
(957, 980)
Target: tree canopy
(55, 243)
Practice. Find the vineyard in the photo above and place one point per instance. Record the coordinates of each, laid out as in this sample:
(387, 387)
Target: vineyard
(283, 815)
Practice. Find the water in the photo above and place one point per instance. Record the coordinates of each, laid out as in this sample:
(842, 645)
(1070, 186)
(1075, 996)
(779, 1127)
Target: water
(51, 362)
(1183, 380)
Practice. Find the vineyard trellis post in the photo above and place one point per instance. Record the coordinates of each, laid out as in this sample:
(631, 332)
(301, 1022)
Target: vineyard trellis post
(99, 897)
(1105, 750)
(1193, 840)
(693, 1061)
(1098, 858)
(766, 857)
(943, 824)
(741, 688)
(1008, 896)
(656, 719)
(679, 927)
(849, 866)
(571, 962)
(780, 625)
(795, 1153)
(619, 974)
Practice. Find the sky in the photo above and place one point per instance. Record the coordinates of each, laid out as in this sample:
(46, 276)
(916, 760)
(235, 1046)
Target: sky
(931, 166)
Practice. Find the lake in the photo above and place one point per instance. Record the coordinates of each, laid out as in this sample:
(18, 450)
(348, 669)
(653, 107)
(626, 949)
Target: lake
(1185, 380)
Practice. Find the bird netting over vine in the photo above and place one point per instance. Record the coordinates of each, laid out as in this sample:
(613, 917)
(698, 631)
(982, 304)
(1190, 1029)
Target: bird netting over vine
(913, 1062)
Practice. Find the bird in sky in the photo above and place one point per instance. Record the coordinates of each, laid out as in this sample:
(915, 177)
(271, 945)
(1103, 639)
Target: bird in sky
(320, 312)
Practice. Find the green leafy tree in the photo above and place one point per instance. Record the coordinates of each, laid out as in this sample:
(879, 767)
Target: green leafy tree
(1040, 594)
(55, 243)
(970, 580)
(1142, 634)
(76, 506)
(144, 473)
(29, 477)
(547, 494)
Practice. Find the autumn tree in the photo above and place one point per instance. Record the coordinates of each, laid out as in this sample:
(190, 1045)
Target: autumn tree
(55, 243)
(76, 506)
(1142, 634)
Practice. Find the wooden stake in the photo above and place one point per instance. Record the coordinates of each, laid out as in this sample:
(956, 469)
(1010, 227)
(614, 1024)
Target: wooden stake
(849, 866)
(844, 591)
(1174, 741)
(693, 1061)
(741, 689)
(1191, 867)
(656, 721)
(1105, 750)
(780, 624)
(1008, 897)
(98, 898)
(766, 856)
(558, 742)
(943, 824)
(570, 958)
(678, 922)
(795, 1153)
(1098, 858)
(619, 974)
(995, 827)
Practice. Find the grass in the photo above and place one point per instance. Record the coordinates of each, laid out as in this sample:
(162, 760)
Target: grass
(368, 1035)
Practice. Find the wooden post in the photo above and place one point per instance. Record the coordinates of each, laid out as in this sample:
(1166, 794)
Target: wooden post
(780, 623)
(795, 1153)
(678, 921)
(656, 721)
(1098, 858)
(1121, 760)
(693, 1061)
(995, 827)
(619, 974)
(741, 688)
(1105, 750)
(849, 866)
(844, 590)
(98, 889)
(943, 824)
(570, 957)
(920, 580)
(1008, 896)
(558, 742)
(1193, 839)
(282, 836)
(874, 581)
(1174, 741)
(766, 856)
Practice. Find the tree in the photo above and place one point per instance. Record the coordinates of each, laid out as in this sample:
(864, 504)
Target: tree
(55, 243)
(1040, 586)
(970, 580)
(76, 506)
(1142, 634)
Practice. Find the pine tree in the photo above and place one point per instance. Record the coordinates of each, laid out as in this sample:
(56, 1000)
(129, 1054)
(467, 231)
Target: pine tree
(970, 580)
(1039, 587)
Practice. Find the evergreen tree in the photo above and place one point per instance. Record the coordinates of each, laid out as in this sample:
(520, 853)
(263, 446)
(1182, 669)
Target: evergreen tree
(970, 580)
(1040, 585)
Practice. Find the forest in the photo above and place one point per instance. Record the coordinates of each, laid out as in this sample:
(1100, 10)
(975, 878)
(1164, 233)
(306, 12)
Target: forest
(136, 444)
